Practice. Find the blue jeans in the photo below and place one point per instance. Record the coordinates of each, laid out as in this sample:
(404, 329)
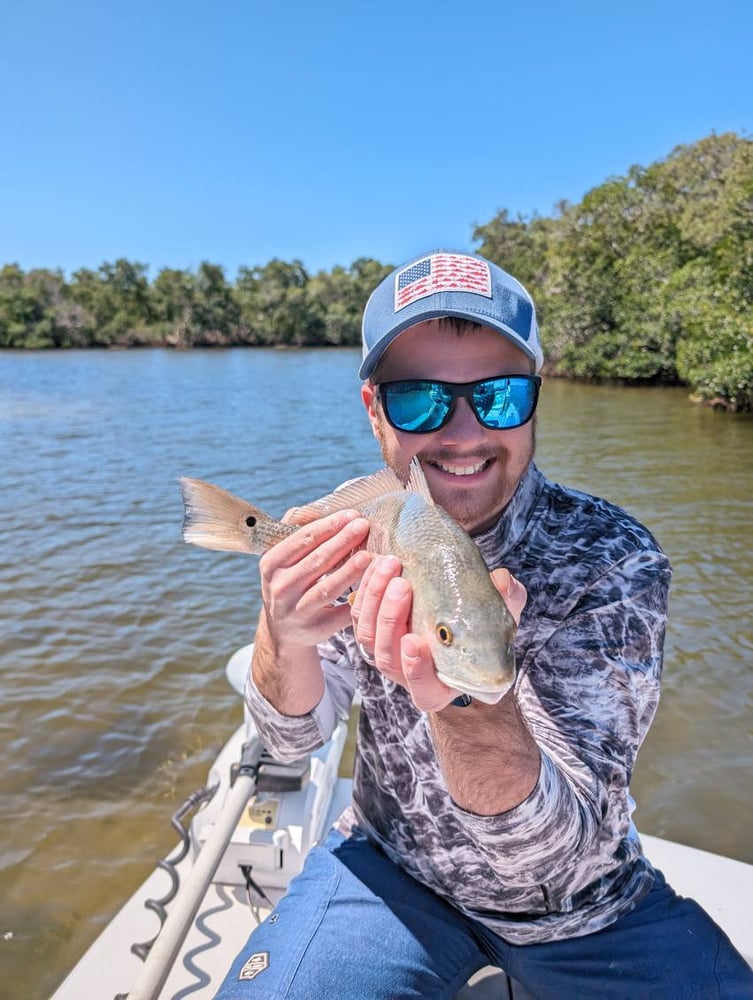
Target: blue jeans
(354, 926)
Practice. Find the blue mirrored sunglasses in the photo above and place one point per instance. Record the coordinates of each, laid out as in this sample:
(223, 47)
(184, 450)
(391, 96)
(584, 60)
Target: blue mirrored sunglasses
(420, 406)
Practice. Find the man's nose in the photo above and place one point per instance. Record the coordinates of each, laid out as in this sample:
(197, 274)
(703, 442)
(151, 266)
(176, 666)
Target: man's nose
(462, 424)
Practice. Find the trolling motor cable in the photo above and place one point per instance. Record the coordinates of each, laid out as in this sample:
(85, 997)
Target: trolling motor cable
(166, 946)
(253, 885)
(169, 865)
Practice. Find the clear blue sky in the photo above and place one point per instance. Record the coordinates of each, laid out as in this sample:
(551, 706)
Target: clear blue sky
(235, 132)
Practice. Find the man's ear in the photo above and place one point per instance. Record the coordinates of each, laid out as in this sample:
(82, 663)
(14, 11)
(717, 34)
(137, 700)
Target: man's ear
(368, 395)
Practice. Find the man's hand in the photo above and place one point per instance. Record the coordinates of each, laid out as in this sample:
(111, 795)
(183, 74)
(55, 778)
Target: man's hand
(301, 578)
(303, 575)
(381, 612)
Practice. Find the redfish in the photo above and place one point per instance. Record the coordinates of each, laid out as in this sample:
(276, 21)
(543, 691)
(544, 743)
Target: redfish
(456, 608)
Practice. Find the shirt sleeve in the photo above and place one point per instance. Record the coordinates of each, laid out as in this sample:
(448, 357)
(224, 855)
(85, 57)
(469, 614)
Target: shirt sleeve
(588, 689)
(289, 737)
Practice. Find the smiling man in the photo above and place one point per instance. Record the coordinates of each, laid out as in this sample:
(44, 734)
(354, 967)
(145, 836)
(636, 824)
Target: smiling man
(478, 833)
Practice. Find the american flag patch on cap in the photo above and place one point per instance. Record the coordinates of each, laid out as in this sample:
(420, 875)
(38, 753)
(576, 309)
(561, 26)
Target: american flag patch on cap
(442, 272)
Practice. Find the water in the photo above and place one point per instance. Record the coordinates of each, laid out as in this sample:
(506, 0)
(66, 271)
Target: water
(114, 635)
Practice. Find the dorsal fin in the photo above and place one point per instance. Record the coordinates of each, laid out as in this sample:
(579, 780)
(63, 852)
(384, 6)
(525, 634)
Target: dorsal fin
(358, 492)
(417, 482)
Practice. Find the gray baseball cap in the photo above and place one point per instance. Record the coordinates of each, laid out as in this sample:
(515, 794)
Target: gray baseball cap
(448, 283)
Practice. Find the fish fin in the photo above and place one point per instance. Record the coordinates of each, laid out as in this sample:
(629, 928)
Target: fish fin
(353, 494)
(215, 519)
(358, 492)
(417, 481)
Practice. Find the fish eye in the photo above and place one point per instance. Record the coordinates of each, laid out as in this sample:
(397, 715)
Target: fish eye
(444, 634)
(251, 521)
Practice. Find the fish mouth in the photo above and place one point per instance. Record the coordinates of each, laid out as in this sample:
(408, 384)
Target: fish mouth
(490, 694)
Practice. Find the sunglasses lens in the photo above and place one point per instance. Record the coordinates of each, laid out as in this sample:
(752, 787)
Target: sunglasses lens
(505, 402)
(417, 407)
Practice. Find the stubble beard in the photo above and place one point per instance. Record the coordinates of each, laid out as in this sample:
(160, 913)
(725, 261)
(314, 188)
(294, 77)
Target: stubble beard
(472, 508)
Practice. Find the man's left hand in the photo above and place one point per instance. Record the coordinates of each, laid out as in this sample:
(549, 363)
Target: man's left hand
(381, 613)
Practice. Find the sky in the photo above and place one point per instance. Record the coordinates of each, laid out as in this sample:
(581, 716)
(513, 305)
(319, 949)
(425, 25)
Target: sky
(237, 132)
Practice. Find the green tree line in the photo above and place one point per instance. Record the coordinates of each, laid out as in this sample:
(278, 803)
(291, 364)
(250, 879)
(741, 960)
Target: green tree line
(649, 278)
(117, 306)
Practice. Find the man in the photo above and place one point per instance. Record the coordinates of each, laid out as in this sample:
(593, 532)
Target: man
(478, 834)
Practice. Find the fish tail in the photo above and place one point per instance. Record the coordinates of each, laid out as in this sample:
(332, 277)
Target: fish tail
(215, 519)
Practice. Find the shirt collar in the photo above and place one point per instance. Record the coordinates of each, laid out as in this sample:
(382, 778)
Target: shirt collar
(502, 537)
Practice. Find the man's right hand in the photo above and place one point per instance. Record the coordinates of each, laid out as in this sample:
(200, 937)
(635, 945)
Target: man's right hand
(304, 574)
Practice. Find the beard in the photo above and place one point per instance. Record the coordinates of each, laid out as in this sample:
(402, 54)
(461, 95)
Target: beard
(475, 507)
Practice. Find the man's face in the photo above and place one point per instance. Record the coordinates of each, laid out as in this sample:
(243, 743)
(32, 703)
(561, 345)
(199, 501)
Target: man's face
(472, 471)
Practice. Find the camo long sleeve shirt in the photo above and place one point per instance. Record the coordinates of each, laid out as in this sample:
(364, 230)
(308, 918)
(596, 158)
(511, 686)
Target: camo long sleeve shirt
(566, 861)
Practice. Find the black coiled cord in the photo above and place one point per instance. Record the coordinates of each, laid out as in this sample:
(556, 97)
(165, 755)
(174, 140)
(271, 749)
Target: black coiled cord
(169, 865)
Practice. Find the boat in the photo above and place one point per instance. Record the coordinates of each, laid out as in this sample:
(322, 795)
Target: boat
(251, 827)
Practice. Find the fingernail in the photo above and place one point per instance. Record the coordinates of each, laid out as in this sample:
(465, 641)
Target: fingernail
(397, 588)
(387, 564)
(362, 559)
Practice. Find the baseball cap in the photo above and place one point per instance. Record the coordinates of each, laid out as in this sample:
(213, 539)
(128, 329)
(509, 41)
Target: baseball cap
(448, 283)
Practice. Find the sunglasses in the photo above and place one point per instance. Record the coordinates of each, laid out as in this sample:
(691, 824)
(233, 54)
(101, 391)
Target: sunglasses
(420, 406)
